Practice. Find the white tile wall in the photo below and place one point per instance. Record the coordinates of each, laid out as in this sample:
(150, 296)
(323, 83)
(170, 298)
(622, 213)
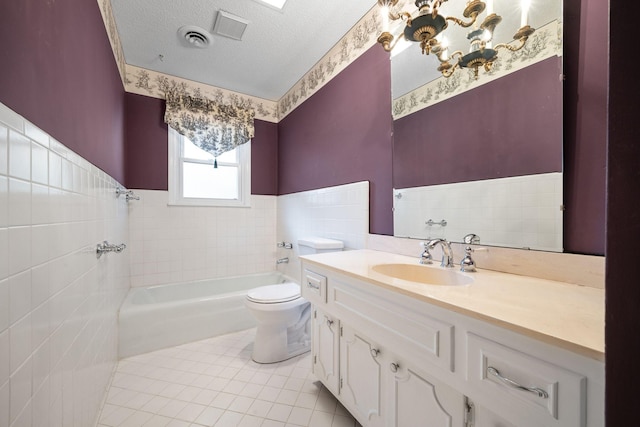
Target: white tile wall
(172, 244)
(58, 302)
(340, 212)
(515, 212)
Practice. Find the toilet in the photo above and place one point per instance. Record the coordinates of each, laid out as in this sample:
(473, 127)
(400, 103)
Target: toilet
(282, 315)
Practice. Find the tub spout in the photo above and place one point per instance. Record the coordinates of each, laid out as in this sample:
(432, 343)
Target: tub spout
(282, 261)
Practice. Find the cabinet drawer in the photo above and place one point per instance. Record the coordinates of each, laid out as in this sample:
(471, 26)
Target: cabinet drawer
(522, 387)
(314, 287)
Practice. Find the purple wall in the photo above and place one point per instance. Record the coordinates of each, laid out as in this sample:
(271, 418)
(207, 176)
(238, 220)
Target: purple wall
(58, 71)
(585, 137)
(508, 127)
(342, 134)
(147, 151)
(264, 159)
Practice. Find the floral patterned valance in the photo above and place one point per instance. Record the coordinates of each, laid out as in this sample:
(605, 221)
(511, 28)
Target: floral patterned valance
(214, 127)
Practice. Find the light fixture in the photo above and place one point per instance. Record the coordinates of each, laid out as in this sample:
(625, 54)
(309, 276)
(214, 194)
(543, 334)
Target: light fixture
(277, 4)
(428, 26)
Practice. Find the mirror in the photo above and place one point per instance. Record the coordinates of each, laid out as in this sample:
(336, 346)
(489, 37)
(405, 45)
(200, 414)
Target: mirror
(482, 156)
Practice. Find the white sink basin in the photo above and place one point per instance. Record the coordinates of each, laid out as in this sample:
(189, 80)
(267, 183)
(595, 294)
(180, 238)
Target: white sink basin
(423, 274)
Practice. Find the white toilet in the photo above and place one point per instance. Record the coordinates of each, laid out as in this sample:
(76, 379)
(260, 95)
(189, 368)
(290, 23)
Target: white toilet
(282, 314)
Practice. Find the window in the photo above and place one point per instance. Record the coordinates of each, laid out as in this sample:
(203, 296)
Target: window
(194, 181)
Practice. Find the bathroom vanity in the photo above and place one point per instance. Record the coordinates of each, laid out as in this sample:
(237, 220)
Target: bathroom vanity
(481, 349)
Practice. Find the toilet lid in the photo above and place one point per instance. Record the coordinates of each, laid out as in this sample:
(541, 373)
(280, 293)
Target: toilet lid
(274, 293)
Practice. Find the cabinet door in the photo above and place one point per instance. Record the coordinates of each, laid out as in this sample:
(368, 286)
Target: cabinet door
(325, 349)
(361, 377)
(419, 401)
(485, 418)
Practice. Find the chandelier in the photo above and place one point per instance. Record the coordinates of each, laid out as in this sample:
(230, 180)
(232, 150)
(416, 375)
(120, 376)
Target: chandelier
(428, 25)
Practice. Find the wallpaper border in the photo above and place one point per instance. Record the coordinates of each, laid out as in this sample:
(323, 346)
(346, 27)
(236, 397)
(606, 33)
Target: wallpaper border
(545, 42)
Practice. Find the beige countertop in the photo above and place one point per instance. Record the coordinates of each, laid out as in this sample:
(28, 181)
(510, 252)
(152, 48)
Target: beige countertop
(562, 314)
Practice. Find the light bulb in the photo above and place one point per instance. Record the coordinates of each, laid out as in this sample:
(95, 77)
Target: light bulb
(486, 37)
(525, 12)
(384, 11)
(489, 7)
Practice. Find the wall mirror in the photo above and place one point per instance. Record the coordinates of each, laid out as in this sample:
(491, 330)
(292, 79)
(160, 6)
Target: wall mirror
(482, 156)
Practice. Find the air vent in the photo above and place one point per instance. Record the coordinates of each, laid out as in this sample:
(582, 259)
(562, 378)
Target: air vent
(229, 25)
(195, 36)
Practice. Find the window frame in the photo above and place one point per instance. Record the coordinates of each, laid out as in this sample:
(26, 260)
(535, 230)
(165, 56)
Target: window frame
(176, 175)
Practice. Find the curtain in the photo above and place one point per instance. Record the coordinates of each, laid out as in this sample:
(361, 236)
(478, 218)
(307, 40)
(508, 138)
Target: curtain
(214, 127)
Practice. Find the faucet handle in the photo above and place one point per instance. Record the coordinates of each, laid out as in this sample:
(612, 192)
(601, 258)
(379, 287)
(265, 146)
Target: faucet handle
(425, 257)
(467, 264)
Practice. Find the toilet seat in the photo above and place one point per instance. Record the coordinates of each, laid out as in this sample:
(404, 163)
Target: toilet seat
(273, 294)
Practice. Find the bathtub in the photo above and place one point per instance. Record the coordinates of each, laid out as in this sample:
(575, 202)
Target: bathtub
(162, 316)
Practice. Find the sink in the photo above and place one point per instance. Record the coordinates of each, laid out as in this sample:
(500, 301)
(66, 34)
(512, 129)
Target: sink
(423, 274)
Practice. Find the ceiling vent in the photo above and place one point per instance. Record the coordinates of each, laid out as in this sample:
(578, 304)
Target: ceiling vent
(195, 36)
(229, 25)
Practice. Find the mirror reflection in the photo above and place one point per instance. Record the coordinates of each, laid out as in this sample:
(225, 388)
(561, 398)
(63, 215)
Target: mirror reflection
(482, 155)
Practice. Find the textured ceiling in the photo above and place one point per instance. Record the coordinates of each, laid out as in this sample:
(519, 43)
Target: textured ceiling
(277, 49)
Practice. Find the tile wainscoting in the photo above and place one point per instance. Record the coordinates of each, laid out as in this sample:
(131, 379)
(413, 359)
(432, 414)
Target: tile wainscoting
(340, 212)
(58, 301)
(174, 244)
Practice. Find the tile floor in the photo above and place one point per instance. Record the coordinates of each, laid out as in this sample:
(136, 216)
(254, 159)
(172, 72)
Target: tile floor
(214, 382)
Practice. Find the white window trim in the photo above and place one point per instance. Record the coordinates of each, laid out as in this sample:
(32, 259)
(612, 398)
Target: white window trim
(175, 177)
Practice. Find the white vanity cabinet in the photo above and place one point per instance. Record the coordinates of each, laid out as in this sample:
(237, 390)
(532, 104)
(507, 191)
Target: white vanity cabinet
(398, 361)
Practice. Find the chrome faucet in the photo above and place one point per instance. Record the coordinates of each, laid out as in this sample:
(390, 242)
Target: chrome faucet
(105, 247)
(282, 261)
(129, 195)
(447, 252)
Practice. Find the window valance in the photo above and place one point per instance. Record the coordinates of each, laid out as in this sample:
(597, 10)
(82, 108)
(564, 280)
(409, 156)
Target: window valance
(216, 128)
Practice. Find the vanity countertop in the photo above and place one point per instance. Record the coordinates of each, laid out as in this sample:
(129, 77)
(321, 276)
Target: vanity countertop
(562, 314)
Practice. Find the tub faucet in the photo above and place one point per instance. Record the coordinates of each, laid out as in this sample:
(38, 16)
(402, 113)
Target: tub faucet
(105, 247)
(447, 252)
(282, 261)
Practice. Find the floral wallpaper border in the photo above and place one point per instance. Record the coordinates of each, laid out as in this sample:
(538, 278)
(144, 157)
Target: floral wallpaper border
(114, 38)
(150, 83)
(545, 43)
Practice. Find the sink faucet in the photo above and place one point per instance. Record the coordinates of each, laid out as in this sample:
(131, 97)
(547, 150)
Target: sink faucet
(447, 252)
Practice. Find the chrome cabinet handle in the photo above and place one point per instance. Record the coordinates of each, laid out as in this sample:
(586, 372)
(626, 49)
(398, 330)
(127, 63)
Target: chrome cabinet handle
(375, 352)
(394, 367)
(513, 384)
(311, 285)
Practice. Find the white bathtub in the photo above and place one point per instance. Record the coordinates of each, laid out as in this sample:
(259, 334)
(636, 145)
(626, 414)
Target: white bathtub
(167, 315)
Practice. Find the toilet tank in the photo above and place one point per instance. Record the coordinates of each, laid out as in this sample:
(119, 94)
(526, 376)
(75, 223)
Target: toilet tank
(317, 245)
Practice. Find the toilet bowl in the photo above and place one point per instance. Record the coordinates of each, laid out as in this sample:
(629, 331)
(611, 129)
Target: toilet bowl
(282, 316)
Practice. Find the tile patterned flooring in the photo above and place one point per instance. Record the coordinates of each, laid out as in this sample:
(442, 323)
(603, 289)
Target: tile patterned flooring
(214, 382)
